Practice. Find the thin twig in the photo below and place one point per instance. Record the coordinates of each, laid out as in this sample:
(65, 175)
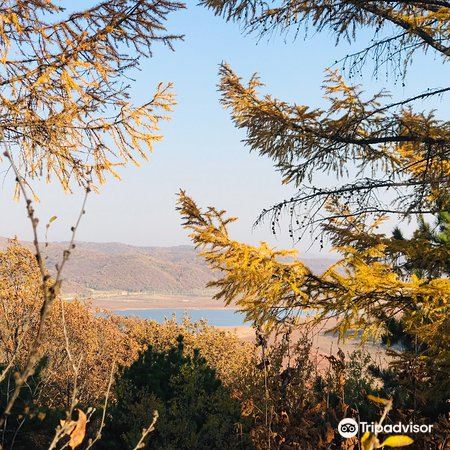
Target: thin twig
(49, 289)
(66, 426)
(147, 431)
(98, 436)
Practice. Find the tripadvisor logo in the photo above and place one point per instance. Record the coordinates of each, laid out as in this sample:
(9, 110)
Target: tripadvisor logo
(348, 428)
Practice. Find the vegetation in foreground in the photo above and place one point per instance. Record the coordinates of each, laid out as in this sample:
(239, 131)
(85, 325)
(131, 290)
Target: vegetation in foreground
(210, 389)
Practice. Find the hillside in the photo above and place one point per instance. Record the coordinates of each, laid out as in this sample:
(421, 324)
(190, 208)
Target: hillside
(95, 267)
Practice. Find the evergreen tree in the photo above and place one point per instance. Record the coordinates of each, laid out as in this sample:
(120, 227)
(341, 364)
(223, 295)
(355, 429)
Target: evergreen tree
(195, 410)
(418, 377)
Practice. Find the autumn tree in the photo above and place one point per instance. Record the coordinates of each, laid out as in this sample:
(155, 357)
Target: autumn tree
(388, 157)
(273, 285)
(74, 335)
(398, 153)
(65, 107)
(97, 343)
(66, 112)
(20, 298)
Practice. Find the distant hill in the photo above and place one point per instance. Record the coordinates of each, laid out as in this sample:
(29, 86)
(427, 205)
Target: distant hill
(95, 267)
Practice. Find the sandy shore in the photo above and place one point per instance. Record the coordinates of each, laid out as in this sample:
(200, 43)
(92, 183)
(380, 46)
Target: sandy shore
(157, 301)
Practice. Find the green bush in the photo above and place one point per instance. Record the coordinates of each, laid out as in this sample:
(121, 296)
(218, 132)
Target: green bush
(195, 410)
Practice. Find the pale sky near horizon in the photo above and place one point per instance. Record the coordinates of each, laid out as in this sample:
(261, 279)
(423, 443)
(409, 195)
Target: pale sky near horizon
(202, 151)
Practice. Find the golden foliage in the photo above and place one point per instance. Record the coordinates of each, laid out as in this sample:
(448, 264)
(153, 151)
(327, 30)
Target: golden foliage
(222, 350)
(369, 441)
(20, 299)
(420, 25)
(64, 106)
(397, 441)
(410, 148)
(361, 289)
(94, 340)
(249, 271)
(97, 340)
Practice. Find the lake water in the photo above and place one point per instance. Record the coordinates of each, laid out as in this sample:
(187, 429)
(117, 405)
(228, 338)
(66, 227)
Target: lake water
(215, 317)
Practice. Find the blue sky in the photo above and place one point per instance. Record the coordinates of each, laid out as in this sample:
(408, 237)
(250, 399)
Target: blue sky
(202, 151)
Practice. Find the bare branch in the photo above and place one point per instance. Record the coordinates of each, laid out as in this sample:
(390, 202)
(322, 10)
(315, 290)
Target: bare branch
(50, 289)
(146, 431)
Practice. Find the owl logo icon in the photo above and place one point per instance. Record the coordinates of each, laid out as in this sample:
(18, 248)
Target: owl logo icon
(348, 428)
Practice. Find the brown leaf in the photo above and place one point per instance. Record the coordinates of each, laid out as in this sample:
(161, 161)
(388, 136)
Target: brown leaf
(76, 429)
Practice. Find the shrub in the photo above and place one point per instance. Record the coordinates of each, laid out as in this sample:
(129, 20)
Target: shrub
(195, 410)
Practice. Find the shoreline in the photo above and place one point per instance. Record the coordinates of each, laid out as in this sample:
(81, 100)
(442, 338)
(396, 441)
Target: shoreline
(133, 302)
(176, 308)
